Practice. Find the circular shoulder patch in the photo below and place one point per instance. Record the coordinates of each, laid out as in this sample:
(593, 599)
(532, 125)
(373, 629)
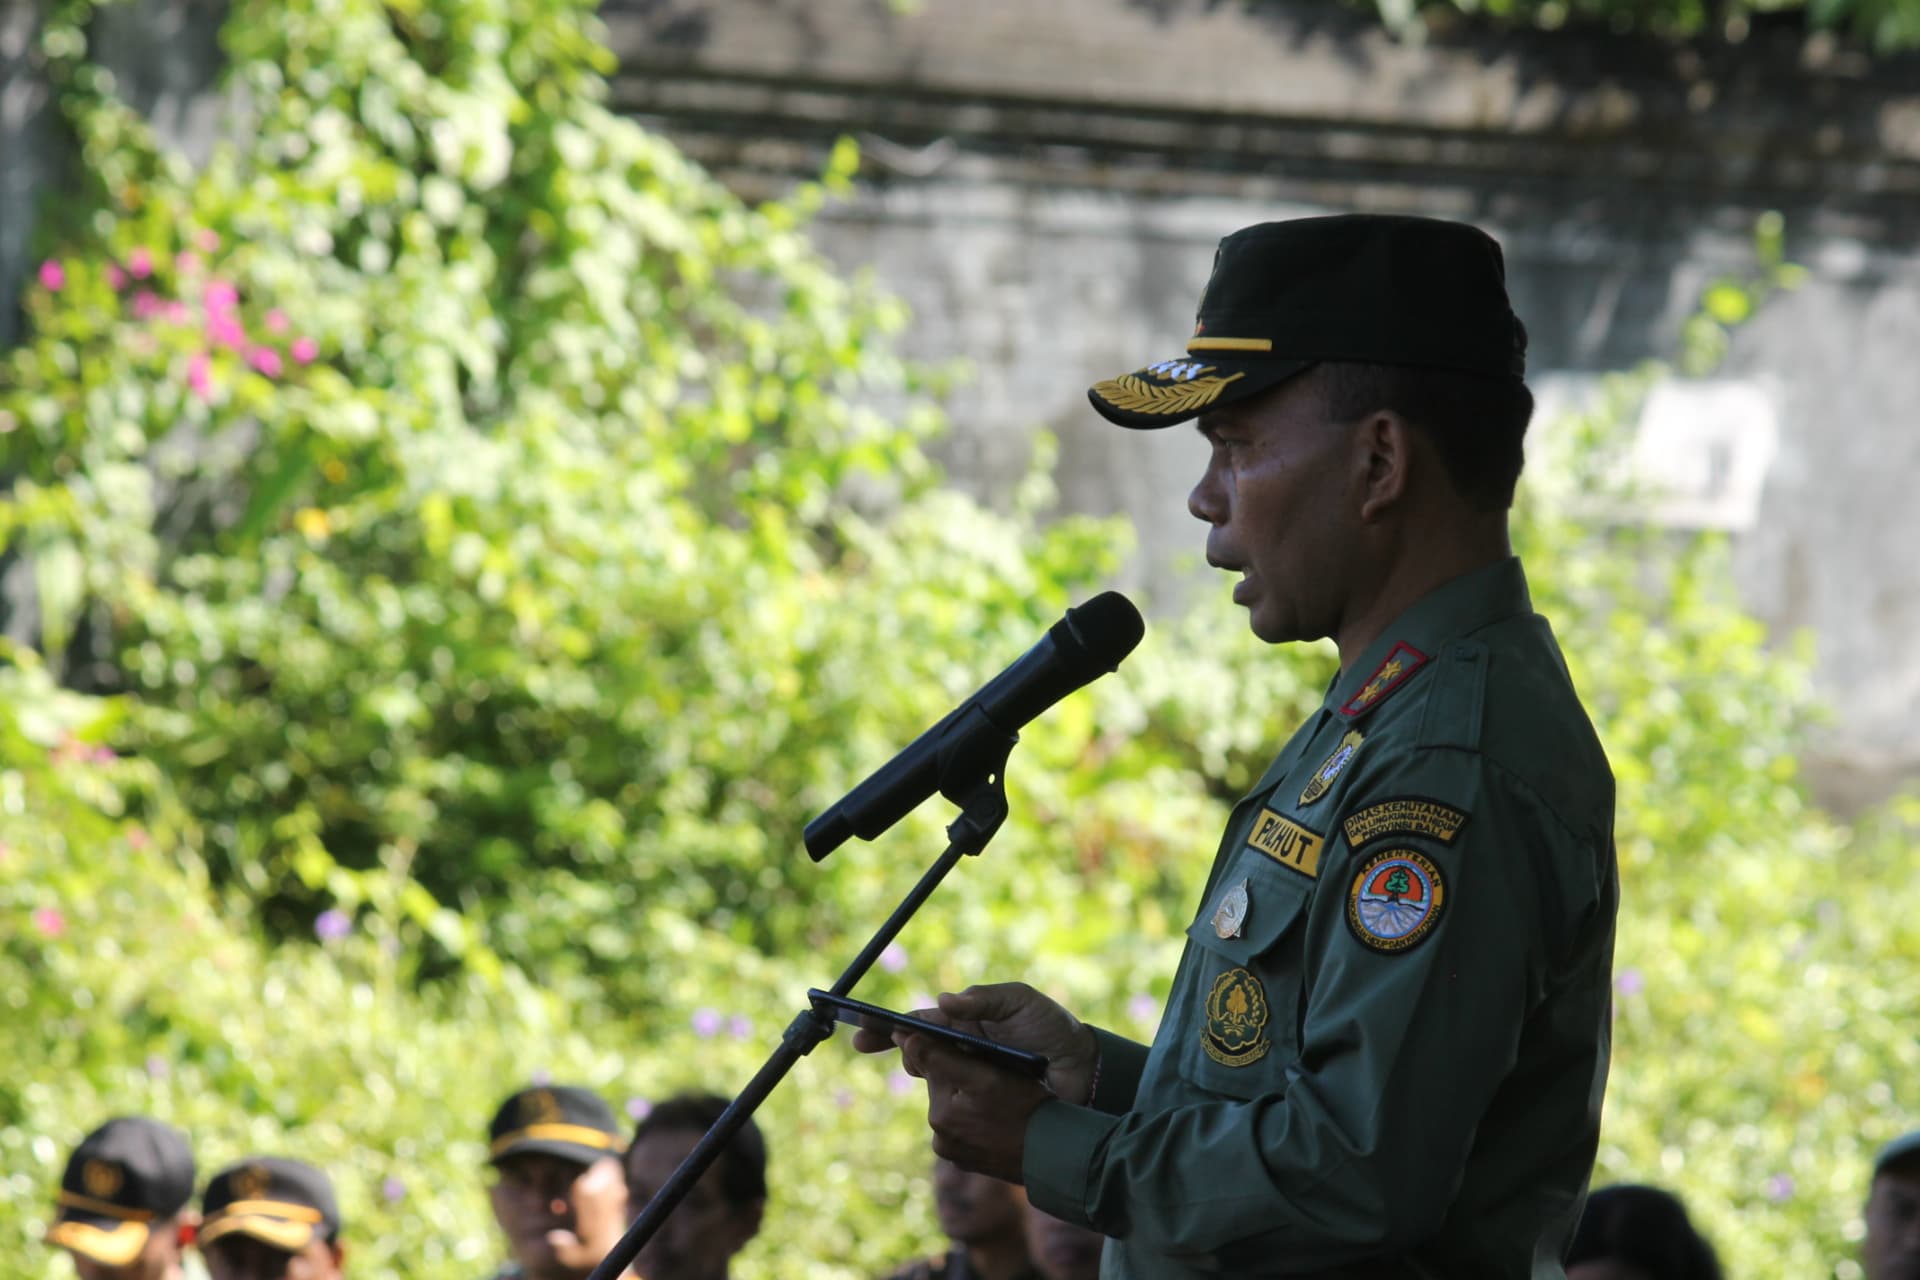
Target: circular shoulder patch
(1395, 900)
(1236, 1030)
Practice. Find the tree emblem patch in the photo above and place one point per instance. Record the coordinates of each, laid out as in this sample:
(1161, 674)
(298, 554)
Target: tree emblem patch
(102, 1179)
(1395, 900)
(1237, 1013)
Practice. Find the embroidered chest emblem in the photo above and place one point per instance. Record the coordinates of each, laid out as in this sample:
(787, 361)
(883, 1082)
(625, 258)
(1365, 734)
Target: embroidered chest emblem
(1335, 765)
(1396, 670)
(1395, 901)
(1235, 1033)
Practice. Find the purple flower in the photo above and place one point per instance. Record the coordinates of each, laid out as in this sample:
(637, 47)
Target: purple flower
(332, 925)
(157, 1068)
(843, 1098)
(900, 1084)
(740, 1026)
(638, 1109)
(541, 1078)
(393, 1190)
(53, 276)
(1630, 982)
(1143, 1008)
(894, 958)
(1780, 1187)
(706, 1023)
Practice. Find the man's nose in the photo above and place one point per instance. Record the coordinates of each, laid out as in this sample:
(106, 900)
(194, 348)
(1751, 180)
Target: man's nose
(1207, 500)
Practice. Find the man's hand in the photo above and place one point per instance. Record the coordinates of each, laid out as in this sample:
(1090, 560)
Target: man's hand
(1012, 1013)
(599, 1200)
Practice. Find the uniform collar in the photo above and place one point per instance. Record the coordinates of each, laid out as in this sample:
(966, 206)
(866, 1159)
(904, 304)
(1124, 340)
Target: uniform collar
(1464, 605)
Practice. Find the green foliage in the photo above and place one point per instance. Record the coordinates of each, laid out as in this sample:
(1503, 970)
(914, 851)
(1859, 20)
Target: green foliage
(1889, 26)
(460, 523)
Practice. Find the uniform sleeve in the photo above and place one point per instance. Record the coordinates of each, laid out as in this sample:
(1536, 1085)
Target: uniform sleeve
(1416, 961)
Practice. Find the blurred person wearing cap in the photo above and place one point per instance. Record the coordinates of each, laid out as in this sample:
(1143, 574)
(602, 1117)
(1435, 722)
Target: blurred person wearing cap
(723, 1210)
(1385, 1047)
(1891, 1250)
(986, 1219)
(124, 1211)
(557, 1193)
(269, 1218)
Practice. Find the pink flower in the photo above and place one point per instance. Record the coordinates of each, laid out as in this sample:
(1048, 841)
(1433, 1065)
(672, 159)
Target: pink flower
(116, 276)
(706, 1022)
(102, 755)
(894, 958)
(200, 375)
(187, 263)
(266, 360)
(276, 321)
(146, 305)
(137, 838)
(332, 925)
(49, 921)
(304, 350)
(224, 329)
(220, 295)
(207, 240)
(53, 276)
(899, 1083)
(638, 1109)
(140, 262)
(174, 313)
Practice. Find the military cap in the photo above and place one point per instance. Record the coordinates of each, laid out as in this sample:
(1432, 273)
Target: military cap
(1902, 1150)
(1354, 288)
(554, 1120)
(280, 1202)
(124, 1177)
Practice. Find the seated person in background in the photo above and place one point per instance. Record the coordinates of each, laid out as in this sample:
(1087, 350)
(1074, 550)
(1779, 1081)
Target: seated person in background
(557, 1191)
(1892, 1247)
(125, 1203)
(1638, 1233)
(269, 1218)
(1062, 1250)
(987, 1221)
(722, 1211)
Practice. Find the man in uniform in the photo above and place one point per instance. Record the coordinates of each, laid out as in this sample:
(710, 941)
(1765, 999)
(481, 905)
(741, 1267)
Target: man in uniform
(270, 1218)
(986, 1219)
(1891, 1250)
(125, 1203)
(1386, 1043)
(558, 1192)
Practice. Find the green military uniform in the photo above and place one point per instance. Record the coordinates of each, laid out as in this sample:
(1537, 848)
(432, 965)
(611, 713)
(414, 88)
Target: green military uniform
(1386, 1044)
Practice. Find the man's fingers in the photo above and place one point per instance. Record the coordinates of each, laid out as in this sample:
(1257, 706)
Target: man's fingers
(872, 1039)
(987, 1002)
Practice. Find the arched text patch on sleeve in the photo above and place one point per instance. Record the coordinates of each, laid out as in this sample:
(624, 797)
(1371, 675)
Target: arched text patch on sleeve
(1403, 816)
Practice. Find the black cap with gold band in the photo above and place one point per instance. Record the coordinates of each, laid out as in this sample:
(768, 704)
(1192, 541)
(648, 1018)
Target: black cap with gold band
(1360, 288)
(279, 1202)
(124, 1178)
(555, 1120)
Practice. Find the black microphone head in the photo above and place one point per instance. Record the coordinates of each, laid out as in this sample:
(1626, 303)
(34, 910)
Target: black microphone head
(1105, 629)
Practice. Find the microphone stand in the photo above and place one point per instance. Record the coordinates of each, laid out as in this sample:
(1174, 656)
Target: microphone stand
(976, 781)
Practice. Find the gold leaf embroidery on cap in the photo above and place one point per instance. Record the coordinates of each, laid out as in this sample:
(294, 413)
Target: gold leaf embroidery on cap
(1130, 393)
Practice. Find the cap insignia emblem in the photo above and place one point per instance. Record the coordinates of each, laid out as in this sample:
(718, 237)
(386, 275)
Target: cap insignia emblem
(251, 1183)
(540, 1107)
(1130, 393)
(102, 1179)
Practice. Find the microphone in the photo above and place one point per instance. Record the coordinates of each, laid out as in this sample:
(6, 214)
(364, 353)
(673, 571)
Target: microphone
(1084, 645)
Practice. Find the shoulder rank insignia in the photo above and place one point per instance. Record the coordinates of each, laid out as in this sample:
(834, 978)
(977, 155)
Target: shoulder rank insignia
(1403, 816)
(1399, 666)
(1235, 1034)
(1334, 766)
(1395, 901)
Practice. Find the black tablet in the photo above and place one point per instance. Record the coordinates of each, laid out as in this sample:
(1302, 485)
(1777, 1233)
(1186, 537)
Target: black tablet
(858, 1013)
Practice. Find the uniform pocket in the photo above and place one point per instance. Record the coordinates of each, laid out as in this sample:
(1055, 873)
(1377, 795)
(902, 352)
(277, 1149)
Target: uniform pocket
(1244, 1004)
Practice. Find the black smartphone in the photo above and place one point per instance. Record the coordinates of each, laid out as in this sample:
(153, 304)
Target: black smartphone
(858, 1013)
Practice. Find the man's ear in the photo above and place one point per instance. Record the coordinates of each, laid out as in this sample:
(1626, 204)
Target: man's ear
(338, 1252)
(1384, 451)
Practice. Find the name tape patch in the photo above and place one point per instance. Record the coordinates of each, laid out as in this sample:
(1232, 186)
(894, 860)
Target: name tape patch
(1288, 843)
(1403, 816)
